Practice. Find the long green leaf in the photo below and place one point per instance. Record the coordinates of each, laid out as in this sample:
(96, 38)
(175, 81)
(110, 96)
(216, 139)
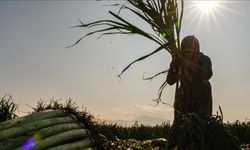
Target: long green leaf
(142, 58)
(152, 77)
(135, 29)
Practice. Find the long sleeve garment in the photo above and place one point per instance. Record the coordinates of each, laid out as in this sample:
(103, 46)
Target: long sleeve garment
(194, 94)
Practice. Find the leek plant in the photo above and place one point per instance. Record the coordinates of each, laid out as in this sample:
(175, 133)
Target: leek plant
(52, 126)
(163, 16)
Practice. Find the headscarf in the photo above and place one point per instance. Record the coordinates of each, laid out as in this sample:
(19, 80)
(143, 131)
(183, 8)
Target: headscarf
(191, 44)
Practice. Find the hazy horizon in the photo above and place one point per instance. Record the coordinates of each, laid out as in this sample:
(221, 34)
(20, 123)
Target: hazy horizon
(36, 65)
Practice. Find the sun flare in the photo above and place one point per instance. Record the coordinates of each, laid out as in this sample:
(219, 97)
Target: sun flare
(206, 6)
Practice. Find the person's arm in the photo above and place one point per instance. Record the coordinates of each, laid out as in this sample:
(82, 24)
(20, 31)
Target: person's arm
(202, 70)
(172, 76)
(206, 65)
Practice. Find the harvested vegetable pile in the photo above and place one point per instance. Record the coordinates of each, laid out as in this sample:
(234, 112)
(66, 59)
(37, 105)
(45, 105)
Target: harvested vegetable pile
(53, 126)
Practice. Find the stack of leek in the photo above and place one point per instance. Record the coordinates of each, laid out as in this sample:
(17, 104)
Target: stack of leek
(51, 130)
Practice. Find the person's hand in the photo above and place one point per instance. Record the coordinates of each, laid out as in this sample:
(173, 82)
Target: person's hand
(176, 63)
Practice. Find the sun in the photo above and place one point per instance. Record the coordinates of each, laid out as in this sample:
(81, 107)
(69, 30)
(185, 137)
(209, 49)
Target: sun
(206, 6)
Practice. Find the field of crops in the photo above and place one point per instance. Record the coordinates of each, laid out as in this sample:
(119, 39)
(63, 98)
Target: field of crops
(117, 137)
(143, 137)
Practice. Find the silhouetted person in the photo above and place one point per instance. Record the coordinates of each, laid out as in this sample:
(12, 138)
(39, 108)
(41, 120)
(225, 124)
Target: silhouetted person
(193, 69)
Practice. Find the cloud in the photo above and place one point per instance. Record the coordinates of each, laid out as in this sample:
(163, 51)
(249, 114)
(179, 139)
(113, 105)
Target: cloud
(152, 109)
(120, 110)
(118, 113)
(135, 110)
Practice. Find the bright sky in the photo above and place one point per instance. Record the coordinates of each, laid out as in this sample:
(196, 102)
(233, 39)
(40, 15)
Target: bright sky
(35, 65)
